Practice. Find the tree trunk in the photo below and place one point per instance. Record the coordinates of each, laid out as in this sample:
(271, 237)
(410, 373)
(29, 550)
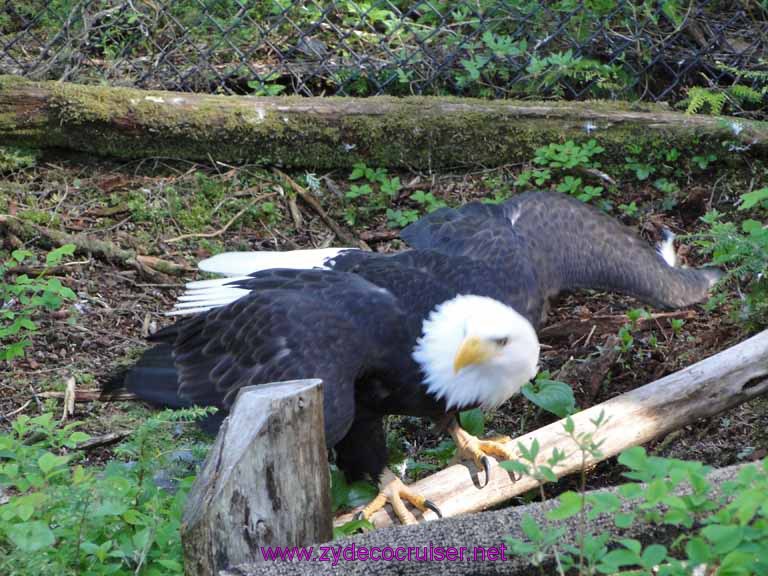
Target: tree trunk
(699, 391)
(265, 481)
(324, 133)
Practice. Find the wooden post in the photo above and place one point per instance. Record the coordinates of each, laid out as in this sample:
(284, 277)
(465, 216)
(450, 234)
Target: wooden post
(265, 481)
(702, 390)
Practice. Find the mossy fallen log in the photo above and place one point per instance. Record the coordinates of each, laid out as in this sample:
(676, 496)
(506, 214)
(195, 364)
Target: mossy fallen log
(325, 133)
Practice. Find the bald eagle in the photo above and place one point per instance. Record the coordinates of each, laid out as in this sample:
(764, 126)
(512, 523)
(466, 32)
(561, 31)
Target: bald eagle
(445, 326)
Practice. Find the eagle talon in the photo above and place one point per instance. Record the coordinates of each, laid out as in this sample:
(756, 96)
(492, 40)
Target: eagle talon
(472, 448)
(487, 468)
(432, 506)
(392, 490)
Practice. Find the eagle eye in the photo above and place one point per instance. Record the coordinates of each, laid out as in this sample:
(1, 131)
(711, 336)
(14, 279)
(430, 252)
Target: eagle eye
(501, 342)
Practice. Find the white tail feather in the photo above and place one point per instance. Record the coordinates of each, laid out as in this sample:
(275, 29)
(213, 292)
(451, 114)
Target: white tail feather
(187, 311)
(666, 248)
(218, 294)
(203, 295)
(215, 282)
(241, 263)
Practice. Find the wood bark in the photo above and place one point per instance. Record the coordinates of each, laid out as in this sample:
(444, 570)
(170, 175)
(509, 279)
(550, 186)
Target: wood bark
(478, 533)
(325, 133)
(265, 481)
(699, 391)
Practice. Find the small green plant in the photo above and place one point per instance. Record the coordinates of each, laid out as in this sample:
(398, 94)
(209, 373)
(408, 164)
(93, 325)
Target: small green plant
(266, 86)
(630, 209)
(427, 200)
(743, 250)
(715, 100)
(63, 518)
(728, 531)
(677, 325)
(568, 155)
(12, 158)
(755, 199)
(703, 161)
(550, 395)
(358, 191)
(641, 170)
(401, 218)
(558, 158)
(23, 299)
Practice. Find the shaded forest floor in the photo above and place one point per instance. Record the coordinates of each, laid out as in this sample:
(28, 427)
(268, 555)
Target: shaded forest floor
(181, 213)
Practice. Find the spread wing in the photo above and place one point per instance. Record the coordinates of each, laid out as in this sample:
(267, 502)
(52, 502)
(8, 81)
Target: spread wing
(569, 244)
(291, 324)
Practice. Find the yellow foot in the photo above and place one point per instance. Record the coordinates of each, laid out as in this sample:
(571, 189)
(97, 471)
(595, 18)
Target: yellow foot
(470, 447)
(392, 490)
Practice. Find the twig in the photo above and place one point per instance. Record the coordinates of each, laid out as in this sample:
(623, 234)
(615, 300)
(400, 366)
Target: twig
(70, 391)
(18, 410)
(91, 395)
(309, 198)
(218, 232)
(379, 235)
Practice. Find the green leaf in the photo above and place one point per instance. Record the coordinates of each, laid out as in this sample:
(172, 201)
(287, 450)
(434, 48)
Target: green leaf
(54, 256)
(698, 551)
(631, 544)
(603, 502)
(570, 504)
(615, 559)
(656, 491)
(21, 255)
(171, 564)
(49, 461)
(515, 466)
(110, 507)
(634, 458)
(552, 396)
(473, 421)
(76, 438)
(361, 492)
(724, 538)
(754, 198)
(352, 527)
(31, 536)
(653, 556)
(530, 528)
(624, 519)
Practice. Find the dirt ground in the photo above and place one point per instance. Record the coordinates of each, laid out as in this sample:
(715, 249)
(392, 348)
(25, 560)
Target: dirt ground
(119, 303)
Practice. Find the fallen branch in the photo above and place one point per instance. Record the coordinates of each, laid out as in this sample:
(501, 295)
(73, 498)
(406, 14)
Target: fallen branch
(103, 440)
(86, 244)
(699, 391)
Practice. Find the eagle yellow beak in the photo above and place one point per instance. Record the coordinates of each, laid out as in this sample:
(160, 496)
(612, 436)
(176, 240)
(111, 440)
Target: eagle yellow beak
(472, 351)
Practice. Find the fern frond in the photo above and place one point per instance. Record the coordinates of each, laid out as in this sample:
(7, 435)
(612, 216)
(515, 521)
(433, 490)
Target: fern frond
(698, 97)
(741, 94)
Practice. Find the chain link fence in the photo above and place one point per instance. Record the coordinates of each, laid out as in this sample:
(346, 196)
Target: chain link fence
(650, 50)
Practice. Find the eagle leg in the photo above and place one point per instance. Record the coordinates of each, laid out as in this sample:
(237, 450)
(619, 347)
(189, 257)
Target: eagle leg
(472, 448)
(392, 490)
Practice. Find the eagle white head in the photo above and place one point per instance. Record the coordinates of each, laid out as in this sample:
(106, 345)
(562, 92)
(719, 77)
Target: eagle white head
(476, 351)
